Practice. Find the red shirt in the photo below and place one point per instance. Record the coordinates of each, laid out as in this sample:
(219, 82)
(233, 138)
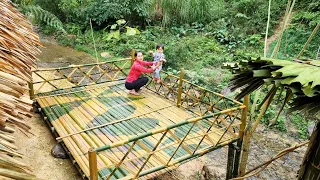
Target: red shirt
(137, 69)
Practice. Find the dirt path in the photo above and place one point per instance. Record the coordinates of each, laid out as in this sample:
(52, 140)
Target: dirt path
(37, 150)
(277, 31)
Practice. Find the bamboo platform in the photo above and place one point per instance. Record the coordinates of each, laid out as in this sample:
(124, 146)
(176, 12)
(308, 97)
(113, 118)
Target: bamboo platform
(135, 136)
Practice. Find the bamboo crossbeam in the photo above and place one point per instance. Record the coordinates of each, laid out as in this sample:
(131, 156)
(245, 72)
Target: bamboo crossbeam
(114, 122)
(162, 129)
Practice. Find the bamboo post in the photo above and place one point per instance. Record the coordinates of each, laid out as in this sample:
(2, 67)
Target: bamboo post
(230, 163)
(132, 56)
(31, 90)
(241, 133)
(308, 41)
(308, 166)
(93, 164)
(180, 87)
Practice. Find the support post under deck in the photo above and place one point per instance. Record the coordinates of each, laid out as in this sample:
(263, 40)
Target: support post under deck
(230, 163)
(93, 164)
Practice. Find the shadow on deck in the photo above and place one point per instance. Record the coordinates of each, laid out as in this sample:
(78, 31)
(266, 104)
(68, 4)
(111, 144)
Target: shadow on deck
(132, 136)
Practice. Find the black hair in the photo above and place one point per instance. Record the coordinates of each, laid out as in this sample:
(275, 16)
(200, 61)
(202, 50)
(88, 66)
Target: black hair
(136, 53)
(160, 46)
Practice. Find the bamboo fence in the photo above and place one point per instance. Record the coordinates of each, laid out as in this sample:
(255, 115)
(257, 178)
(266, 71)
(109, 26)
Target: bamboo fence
(18, 48)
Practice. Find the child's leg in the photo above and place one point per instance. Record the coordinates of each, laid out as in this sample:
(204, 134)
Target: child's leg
(157, 75)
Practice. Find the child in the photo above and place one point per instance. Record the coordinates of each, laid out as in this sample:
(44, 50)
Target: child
(158, 57)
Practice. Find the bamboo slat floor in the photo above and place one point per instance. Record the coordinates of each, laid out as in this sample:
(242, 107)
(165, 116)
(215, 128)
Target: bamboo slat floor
(121, 116)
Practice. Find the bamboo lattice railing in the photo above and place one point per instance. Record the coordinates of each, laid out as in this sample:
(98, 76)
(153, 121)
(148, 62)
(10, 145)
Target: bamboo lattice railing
(51, 79)
(123, 139)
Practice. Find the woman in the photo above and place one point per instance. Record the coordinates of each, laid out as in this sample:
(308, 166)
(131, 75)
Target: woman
(133, 81)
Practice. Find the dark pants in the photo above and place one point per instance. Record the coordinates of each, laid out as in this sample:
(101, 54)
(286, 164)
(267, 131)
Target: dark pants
(137, 84)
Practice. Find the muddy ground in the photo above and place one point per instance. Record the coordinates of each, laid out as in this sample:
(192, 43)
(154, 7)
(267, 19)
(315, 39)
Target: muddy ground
(265, 144)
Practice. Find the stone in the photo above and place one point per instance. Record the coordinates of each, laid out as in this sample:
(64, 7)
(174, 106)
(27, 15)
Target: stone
(58, 152)
(225, 91)
(310, 128)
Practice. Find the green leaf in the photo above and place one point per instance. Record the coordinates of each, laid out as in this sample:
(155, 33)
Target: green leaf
(130, 31)
(114, 26)
(114, 34)
(137, 31)
(262, 73)
(121, 21)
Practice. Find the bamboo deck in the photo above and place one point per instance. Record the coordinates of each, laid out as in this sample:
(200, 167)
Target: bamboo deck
(112, 135)
(76, 109)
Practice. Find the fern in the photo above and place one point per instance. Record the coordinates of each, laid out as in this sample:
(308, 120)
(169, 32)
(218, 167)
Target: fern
(41, 15)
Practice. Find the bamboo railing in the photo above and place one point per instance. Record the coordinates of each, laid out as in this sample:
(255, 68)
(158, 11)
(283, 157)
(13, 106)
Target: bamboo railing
(177, 151)
(52, 79)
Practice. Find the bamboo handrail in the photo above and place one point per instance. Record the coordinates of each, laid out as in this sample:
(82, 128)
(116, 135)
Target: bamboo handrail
(81, 65)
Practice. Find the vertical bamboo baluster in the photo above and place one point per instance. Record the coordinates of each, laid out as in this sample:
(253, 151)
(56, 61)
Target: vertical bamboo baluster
(241, 133)
(180, 87)
(132, 56)
(93, 164)
(154, 148)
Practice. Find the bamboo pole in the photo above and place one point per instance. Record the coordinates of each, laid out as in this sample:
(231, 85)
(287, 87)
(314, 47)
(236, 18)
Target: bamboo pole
(315, 30)
(248, 134)
(241, 135)
(113, 122)
(31, 90)
(93, 164)
(230, 162)
(180, 87)
(132, 56)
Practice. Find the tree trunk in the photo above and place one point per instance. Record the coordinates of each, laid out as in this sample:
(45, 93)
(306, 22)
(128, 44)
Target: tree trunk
(310, 168)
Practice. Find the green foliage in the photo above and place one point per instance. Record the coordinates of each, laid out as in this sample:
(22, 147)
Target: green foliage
(101, 11)
(187, 11)
(40, 15)
(300, 123)
(121, 25)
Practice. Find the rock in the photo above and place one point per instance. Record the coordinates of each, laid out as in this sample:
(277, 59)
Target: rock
(310, 128)
(58, 152)
(194, 170)
(106, 55)
(225, 91)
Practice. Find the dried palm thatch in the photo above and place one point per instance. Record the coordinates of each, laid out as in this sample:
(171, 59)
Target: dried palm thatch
(18, 48)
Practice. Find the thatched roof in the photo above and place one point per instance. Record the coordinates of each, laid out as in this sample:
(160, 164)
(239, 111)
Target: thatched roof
(18, 48)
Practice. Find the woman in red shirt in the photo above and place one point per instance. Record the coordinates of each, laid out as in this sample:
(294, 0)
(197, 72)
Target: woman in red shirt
(133, 81)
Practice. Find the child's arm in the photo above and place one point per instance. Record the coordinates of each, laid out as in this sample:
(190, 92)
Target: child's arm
(163, 60)
(152, 54)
